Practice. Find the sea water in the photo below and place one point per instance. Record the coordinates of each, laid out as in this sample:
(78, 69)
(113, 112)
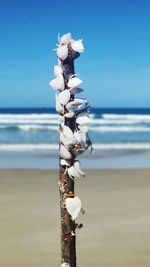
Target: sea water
(33, 134)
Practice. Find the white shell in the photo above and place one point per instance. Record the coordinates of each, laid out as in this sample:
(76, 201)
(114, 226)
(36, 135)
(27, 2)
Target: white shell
(64, 153)
(82, 118)
(64, 97)
(73, 172)
(57, 70)
(76, 90)
(74, 105)
(64, 162)
(79, 136)
(69, 134)
(62, 52)
(66, 38)
(74, 82)
(83, 128)
(73, 206)
(57, 83)
(59, 107)
(69, 115)
(65, 141)
(64, 264)
(78, 46)
(78, 168)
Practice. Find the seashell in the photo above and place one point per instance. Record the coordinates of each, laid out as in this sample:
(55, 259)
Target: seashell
(77, 105)
(74, 82)
(73, 206)
(59, 107)
(72, 106)
(62, 138)
(60, 76)
(86, 141)
(62, 52)
(83, 128)
(78, 151)
(69, 134)
(64, 97)
(76, 90)
(66, 142)
(78, 46)
(64, 264)
(73, 172)
(78, 168)
(64, 162)
(82, 118)
(57, 70)
(64, 153)
(57, 83)
(79, 136)
(69, 115)
(85, 107)
(65, 39)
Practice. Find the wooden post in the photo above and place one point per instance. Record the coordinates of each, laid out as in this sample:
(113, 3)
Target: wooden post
(67, 51)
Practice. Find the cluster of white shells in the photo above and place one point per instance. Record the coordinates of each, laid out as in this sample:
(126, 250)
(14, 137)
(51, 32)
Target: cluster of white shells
(72, 142)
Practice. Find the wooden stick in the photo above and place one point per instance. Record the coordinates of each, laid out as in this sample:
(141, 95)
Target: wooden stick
(66, 184)
(74, 140)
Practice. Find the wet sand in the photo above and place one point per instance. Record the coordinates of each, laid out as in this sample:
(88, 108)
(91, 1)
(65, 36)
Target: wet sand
(116, 229)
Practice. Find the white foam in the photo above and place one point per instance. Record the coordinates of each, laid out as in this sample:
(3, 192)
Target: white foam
(99, 146)
(127, 116)
(30, 127)
(118, 129)
(29, 116)
(30, 121)
(27, 147)
(111, 121)
(123, 146)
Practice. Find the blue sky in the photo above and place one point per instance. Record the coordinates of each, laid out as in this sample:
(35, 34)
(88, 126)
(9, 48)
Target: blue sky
(115, 67)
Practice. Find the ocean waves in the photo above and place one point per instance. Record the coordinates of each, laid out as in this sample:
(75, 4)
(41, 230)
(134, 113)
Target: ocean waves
(96, 146)
(28, 127)
(101, 129)
(41, 131)
(97, 122)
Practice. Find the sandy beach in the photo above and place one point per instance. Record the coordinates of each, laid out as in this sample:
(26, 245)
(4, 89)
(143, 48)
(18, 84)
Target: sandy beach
(116, 224)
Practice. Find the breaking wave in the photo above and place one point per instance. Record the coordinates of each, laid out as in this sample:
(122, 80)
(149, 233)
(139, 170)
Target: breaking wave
(99, 146)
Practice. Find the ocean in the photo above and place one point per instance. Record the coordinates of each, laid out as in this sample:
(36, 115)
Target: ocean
(113, 131)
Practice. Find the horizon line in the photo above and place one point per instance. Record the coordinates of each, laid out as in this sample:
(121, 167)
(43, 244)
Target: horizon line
(91, 107)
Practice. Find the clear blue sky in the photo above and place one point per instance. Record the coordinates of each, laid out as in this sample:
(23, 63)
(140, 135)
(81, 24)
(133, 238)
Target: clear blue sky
(115, 67)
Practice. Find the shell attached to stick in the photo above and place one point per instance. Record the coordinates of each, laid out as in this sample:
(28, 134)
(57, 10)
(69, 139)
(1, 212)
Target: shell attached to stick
(65, 39)
(64, 264)
(82, 118)
(62, 52)
(64, 153)
(78, 168)
(76, 90)
(78, 46)
(57, 70)
(64, 162)
(74, 82)
(64, 97)
(72, 172)
(57, 83)
(59, 107)
(69, 134)
(73, 206)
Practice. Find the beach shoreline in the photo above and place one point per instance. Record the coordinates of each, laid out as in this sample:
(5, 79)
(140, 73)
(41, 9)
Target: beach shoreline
(116, 222)
(99, 159)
